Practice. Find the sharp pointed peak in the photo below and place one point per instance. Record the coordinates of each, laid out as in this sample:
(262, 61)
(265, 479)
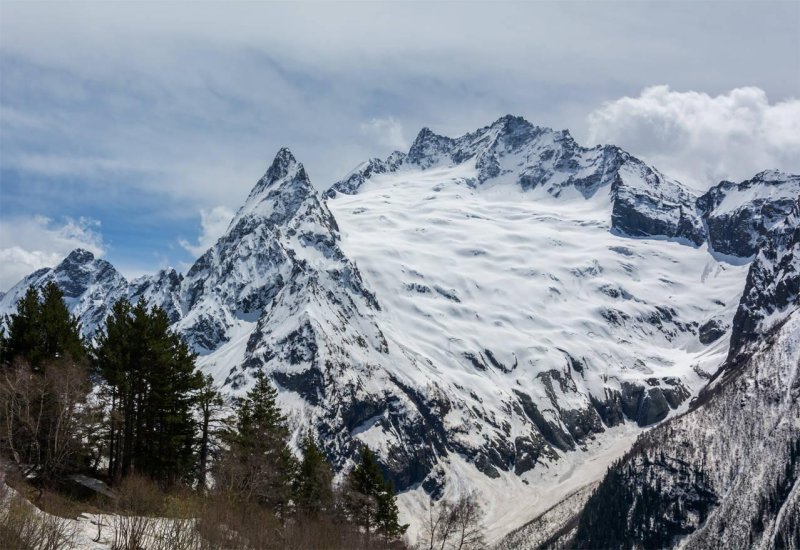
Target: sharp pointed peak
(283, 164)
(283, 168)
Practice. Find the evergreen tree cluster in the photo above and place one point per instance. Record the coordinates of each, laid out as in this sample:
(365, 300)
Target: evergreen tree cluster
(644, 503)
(152, 386)
(259, 467)
(41, 330)
(153, 416)
(43, 385)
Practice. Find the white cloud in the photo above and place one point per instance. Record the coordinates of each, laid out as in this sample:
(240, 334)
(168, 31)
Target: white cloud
(387, 132)
(213, 224)
(702, 139)
(28, 244)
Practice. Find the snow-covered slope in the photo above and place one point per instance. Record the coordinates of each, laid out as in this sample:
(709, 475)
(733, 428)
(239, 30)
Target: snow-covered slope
(90, 286)
(514, 151)
(727, 473)
(505, 311)
(539, 326)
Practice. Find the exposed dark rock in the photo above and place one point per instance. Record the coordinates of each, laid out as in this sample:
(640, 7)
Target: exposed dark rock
(551, 432)
(711, 331)
(739, 217)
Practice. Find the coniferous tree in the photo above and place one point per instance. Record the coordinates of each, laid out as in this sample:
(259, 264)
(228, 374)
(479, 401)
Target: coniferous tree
(313, 483)
(259, 466)
(370, 498)
(211, 405)
(24, 327)
(42, 329)
(44, 388)
(3, 345)
(151, 388)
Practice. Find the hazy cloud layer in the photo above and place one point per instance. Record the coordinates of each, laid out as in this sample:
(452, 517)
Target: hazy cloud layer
(213, 224)
(702, 139)
(387, 132)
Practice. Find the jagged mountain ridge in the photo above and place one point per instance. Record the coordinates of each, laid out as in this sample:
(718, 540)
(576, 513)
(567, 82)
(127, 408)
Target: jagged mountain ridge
(727, 473)
(281, 291)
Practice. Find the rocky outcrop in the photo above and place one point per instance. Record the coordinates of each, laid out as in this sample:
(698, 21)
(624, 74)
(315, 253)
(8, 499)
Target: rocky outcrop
(740, 215)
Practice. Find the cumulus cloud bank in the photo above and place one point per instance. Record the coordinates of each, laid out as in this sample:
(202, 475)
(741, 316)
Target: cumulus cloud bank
(28, 244)
(701, 139)
(213, 224)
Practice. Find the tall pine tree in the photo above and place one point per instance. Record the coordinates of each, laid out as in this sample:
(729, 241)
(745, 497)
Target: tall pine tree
(370, 498)
(259, 466)
(313, 484)
(151, 388)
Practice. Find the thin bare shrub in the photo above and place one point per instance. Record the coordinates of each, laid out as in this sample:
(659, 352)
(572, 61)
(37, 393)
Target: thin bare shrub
(177, 530)
(228, 523)
(24, 527)
(453, 525)
(331, 533)
(138, 501)
(41, 415)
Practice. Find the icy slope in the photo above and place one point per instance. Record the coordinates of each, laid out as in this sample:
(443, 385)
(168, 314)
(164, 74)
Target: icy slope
(514, 151)
(503, 311)
(727, 473)
(540, 326)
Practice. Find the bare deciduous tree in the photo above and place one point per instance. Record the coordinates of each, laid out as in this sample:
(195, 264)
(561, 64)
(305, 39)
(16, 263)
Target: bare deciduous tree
(453, 525)
(41, 415)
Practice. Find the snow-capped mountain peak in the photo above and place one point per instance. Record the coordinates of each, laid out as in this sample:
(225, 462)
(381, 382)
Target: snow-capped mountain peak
(279, 193)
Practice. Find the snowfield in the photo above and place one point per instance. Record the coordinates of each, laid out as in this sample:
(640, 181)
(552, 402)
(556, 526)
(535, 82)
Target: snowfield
(461, 270)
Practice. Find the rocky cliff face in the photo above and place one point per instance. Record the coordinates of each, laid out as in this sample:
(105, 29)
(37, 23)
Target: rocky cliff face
(739, 215)
(727, 473)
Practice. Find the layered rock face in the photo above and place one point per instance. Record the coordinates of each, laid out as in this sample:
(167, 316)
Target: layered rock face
(739, 215)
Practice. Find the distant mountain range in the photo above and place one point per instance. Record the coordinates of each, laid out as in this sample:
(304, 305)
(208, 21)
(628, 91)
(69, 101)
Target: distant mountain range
(507, 312)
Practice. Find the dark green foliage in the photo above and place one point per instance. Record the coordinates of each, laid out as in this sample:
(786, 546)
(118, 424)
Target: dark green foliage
(644, 502)
(42, 329)
(152, 385)
(313, 483)
(259, 466)
(370, 499)
(210, 402)
(44, 386)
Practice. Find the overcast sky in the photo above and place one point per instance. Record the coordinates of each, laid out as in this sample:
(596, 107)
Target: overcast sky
(136, 129)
